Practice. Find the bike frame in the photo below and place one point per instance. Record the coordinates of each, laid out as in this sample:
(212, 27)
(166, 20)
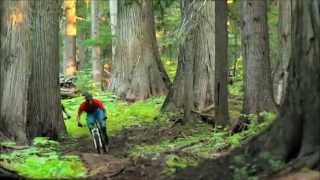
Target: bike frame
(95, 131)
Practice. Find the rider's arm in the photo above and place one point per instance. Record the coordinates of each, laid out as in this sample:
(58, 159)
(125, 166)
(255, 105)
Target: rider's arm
(80, 111)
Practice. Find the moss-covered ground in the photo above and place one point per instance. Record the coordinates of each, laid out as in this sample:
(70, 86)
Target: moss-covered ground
(151, 136)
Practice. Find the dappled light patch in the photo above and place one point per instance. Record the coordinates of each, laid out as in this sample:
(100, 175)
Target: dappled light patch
(17, 17)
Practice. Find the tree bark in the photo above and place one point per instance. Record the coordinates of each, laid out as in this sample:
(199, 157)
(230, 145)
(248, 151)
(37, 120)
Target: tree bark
(70, 62)
(97, 67)
(281, 75)
(113, 4)
(137, 71)
(257, 74)
(1, 61)
(300, 114)
(30, 103)
(81, 51)
(221, 63)
(295, 134)
(201, 79)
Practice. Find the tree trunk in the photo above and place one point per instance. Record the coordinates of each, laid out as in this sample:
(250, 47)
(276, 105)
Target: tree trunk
(81, 52)
(221, 64)
(202, 61)
(281, 75)
(1, 62)
(30, 103)
(113, 5)
(137, 71)
(70, 63)
(301, 107)
(295, 134)
(257, 74)
(96, 50)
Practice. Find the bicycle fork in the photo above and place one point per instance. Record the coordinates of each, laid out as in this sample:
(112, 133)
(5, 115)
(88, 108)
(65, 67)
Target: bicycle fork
(96, 131)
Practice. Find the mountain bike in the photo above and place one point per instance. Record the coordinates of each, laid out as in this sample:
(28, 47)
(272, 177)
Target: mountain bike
(99, 140)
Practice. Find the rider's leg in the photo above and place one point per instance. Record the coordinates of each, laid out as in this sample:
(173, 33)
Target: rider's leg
(100, 117)
(90, 121)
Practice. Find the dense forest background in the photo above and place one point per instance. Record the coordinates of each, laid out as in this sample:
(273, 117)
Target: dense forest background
(194, 89)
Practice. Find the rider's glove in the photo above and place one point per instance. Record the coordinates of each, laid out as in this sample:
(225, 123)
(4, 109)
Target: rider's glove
(68, 117)
(105, 118)
(80, 125)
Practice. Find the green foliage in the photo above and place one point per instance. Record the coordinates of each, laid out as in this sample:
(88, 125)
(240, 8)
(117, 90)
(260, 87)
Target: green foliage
(275, 164)
(203, 142)
(244, 168)
(241, 169)
(43, 160)
(274, 39)
(104, 38)
(120, 114)
(167, 19)
(171, 68)
(236, 89)
(52, 167)
(44, 141)
(84, 81)
(175, 163)
(242, 173)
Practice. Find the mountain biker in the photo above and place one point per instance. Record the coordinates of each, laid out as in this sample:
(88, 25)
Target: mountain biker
(96, 112)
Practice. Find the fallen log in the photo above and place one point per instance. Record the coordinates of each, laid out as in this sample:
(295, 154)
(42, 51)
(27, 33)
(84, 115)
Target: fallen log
(68, 92)
(205, 117)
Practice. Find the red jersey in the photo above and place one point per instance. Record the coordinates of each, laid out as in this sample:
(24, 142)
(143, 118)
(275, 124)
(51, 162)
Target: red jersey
(91, 108)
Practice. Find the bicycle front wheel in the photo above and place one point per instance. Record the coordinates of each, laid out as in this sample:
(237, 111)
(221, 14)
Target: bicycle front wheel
(96, 140)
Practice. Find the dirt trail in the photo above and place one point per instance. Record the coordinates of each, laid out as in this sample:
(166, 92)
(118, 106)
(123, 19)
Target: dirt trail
(115, 164)
(106, 166)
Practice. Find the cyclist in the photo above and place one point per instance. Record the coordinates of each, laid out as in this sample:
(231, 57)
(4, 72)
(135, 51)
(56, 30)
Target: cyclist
(96, 112)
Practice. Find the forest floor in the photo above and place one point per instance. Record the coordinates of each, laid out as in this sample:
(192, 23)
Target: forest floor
(120, 163)
(145, 145)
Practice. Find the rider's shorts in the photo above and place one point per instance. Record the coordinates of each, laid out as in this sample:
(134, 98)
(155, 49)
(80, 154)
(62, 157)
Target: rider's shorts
(98, 115)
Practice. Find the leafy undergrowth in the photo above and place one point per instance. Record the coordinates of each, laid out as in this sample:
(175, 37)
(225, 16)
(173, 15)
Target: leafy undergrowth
(152, 137)
(42, 160)
(179, 146)
(121, 114)
(196, 141)
(235, 100)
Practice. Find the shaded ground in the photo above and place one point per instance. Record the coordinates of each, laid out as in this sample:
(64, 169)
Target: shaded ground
(116, 164)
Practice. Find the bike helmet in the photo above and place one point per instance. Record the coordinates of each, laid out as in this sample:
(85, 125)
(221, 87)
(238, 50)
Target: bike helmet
(87, 96)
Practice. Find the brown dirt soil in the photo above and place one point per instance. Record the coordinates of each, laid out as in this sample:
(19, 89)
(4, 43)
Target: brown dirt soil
(115, 164)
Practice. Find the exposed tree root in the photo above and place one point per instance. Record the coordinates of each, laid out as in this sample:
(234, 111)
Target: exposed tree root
(311, 161)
